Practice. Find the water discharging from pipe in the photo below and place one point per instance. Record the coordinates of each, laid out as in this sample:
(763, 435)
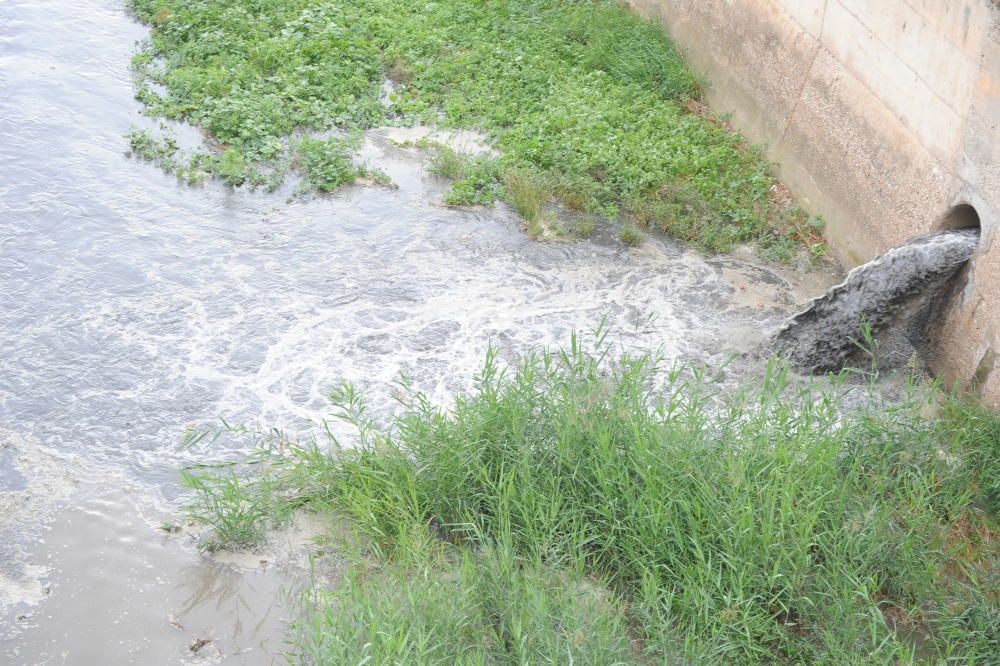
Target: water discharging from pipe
(884, 292)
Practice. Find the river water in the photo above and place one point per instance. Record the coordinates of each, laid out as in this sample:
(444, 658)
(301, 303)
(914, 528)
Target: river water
(133, 307)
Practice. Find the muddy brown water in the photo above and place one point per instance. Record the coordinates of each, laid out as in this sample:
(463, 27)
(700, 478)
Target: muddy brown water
(132, 307)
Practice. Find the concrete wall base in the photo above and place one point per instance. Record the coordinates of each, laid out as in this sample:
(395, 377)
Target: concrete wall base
(881, 115)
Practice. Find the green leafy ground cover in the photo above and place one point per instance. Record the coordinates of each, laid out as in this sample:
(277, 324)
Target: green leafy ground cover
(588, 99)
(564, 512)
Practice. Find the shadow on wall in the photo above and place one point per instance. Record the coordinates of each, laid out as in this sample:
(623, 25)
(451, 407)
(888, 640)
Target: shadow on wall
(948, 303)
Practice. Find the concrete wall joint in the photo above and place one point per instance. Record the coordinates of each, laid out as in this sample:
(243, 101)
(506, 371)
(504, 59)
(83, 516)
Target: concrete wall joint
(888, 47)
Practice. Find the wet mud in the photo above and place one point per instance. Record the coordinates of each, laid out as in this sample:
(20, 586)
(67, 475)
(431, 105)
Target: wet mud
(110, 588)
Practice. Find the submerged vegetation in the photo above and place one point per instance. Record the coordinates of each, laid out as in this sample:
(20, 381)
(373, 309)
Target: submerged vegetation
(567, 512)
(588, 101)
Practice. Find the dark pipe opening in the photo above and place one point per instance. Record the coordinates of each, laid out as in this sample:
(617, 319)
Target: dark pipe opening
(962, 216)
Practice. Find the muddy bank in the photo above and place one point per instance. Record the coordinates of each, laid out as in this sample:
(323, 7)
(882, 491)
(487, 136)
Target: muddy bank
(110, 587)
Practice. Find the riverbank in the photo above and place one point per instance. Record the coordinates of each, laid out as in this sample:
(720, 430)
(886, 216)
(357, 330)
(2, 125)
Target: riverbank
(564, 512)
(590, 107)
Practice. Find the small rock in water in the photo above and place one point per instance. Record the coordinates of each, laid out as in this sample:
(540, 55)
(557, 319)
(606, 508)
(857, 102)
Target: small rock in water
(195, 646)
(823, 336)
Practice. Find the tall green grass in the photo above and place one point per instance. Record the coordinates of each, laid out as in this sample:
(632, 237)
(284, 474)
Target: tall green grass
(566, 511)
(463, 607)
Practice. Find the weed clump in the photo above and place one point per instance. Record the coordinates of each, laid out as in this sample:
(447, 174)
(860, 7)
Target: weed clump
(475, 178)
(236, 508)
(327, 163)
(586, 97)
(526, 193)
(757, 527)
(449, 163)
(631, 235)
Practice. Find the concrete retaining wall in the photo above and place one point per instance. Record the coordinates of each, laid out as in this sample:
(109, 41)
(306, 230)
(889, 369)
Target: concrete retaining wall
(882, 115)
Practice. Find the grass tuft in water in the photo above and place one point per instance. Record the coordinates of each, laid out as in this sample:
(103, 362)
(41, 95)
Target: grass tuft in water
(449, 163)
(631, 235)
(236, 509)
(527, 193)
(565, 511)
(475, 178)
